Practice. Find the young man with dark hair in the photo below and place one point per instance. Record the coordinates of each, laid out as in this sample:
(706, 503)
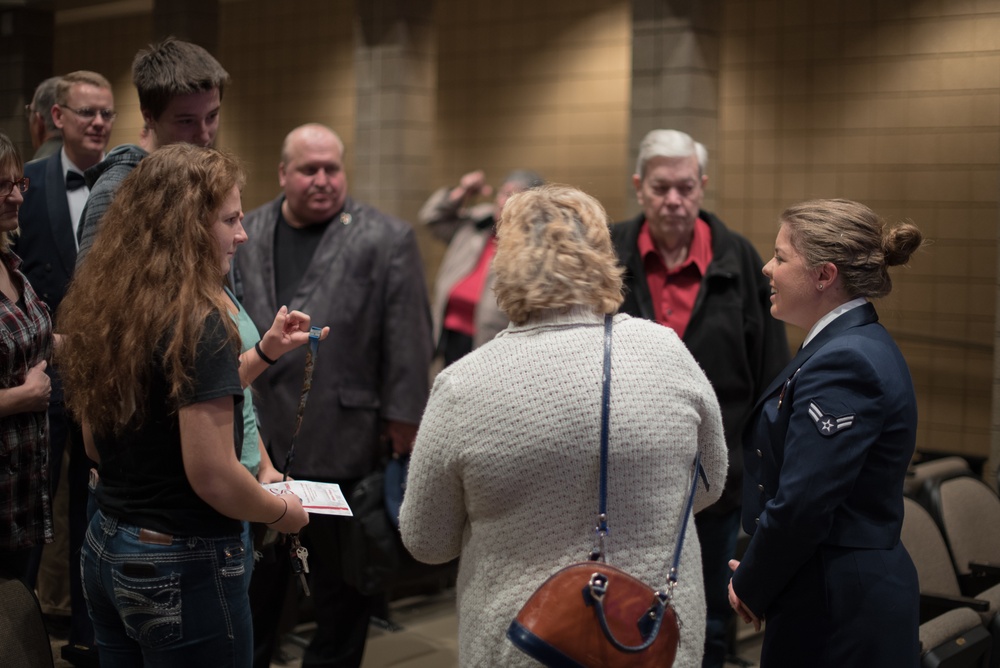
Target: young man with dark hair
(180, 89)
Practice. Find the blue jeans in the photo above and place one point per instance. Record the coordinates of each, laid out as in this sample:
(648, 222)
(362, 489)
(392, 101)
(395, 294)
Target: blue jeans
(246, 536)
(178, 604)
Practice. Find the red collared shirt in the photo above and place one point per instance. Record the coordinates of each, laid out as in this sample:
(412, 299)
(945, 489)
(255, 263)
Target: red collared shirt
(460, 314)
(674, 290)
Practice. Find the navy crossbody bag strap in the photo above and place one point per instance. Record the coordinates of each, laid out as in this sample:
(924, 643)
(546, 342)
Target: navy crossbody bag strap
(602, 518)
(602, 509)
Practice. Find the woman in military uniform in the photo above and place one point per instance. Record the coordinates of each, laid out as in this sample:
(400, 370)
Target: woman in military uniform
(826, 452)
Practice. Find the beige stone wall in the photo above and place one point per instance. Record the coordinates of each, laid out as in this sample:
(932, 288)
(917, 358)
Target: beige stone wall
(540, 85)
(111, 55)
(892, 102)
(288, 65)
(895, 104)
(521, 84)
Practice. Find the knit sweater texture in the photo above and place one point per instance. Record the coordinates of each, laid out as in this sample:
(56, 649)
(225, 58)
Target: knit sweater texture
(104, 179)
(505, 470)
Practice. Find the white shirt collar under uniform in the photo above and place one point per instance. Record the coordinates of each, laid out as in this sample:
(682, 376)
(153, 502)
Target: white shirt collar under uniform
(831, 316)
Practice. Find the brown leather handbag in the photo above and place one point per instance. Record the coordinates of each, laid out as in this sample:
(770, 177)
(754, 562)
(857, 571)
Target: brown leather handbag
(591, 614)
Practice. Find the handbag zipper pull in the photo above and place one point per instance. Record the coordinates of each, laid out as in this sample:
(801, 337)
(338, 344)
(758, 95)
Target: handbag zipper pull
(597, 554)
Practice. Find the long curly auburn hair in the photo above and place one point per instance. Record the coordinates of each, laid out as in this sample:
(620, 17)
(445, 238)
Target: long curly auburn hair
(144, 291)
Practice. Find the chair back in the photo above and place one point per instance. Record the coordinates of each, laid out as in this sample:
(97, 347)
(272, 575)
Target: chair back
(933, 469)
(24, 640)
(970, 518)
(922, 539)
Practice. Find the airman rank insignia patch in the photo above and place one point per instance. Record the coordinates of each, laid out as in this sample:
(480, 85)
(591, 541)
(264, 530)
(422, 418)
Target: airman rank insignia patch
(827, 424)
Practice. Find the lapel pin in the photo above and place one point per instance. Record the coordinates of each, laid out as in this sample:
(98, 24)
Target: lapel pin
(784, 388)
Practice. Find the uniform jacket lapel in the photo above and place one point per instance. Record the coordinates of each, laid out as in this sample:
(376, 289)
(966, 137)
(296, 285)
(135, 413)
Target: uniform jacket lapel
(862, 315)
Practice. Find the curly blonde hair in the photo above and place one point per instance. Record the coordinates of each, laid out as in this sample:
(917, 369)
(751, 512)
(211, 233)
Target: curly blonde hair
(554, 252)
(854, 238)
(147, 287)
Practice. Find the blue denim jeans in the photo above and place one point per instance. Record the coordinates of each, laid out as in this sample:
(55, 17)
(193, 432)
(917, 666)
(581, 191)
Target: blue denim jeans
(247, 537)
(178, 604)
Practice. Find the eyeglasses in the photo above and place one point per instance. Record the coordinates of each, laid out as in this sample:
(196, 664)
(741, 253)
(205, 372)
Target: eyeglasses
(90, 114)
(28, 110)
(7, 187)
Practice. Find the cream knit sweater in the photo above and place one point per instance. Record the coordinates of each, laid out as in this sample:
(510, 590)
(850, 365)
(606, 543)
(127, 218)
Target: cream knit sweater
(505, 470)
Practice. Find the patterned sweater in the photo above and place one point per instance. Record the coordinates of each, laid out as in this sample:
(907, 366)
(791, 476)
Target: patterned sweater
(505, 469)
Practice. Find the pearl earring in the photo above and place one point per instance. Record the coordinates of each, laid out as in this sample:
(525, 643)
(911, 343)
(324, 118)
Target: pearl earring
(820, 286)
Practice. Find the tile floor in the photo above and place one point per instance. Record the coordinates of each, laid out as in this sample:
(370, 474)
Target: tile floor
(426, 637)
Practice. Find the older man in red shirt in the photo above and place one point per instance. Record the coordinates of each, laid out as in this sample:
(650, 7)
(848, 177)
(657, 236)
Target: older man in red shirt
(686, 270)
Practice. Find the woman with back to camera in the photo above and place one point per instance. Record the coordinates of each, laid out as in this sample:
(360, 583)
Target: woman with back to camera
(25, 345)
(150, 366)
(826, 453)
(505, 465)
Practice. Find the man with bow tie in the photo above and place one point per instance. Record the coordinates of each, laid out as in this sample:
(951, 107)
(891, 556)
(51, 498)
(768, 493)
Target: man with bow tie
(85, 112)
(50, 215)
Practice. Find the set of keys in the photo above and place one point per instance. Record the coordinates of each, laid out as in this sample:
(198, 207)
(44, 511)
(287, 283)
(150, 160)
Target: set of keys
(299, 555)
(300, 561)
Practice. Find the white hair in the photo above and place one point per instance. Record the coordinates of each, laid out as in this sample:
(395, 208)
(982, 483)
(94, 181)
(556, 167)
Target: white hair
(669, 144)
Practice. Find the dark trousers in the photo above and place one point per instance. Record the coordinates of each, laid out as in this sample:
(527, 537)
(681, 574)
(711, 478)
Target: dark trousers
(846, 607)
(268, 588)
(64, 433)
(717, 535)
(14, 565)
(342, 612)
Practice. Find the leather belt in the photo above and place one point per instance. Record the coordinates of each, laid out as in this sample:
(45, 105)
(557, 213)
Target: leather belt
(154, 537)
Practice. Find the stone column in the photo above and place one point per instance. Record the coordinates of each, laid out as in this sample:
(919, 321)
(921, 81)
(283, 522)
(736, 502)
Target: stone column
(396, 77)
(990, 472)
(675, 71)
(26, 40)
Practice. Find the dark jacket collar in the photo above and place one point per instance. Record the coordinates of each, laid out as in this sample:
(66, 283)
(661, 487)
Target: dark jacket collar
(721, 245)
(725, 262)
(856, 317)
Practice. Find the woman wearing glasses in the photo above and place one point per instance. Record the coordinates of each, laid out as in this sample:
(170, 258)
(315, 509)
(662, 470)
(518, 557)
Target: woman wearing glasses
(25, 345)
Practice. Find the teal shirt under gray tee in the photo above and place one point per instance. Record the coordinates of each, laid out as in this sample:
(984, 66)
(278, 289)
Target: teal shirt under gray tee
(249, 336)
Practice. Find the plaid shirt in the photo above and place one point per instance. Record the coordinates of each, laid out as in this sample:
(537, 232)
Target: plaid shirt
(25, 340)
